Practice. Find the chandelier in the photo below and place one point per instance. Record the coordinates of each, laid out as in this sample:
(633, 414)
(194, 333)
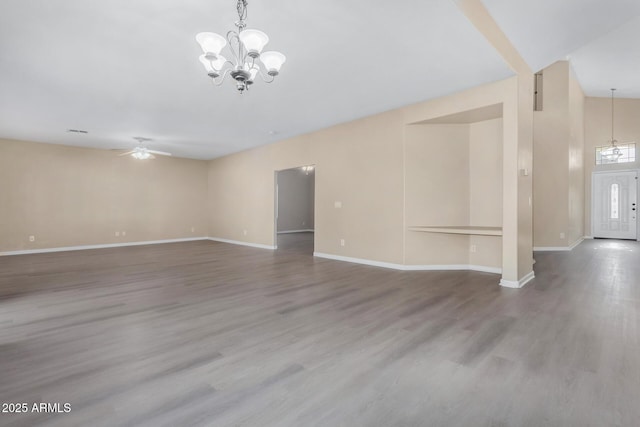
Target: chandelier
(245, 45)
(612, 153)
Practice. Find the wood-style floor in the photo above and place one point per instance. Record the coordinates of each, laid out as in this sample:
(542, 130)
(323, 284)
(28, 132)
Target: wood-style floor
(211, 334)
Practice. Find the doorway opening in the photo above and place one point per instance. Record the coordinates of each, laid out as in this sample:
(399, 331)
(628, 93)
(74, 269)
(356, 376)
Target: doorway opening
(295, 209)
(614, 196)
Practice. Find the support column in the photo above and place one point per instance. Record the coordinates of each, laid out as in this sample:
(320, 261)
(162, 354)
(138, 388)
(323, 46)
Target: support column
(517, 211)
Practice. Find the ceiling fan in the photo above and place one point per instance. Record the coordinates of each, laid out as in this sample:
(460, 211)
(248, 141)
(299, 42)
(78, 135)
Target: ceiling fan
(141, 152)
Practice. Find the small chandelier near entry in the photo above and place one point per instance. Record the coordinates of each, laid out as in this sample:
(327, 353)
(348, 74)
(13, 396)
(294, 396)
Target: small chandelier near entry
(246, 47)
(612, 153)
(307, 169)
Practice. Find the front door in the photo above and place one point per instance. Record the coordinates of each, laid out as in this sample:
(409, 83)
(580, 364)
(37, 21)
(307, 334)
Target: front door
(614, 204)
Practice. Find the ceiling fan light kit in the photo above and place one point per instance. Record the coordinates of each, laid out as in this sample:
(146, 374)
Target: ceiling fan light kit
(143, 153)
(245, 46)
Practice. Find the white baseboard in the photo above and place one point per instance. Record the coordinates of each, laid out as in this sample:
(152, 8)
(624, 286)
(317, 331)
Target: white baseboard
(310, 230)
(359, 261)
(452, 267)
(103, 246)
(404, 267)
(517, 284)
(576, 243)
(558, 248)
(237, 242)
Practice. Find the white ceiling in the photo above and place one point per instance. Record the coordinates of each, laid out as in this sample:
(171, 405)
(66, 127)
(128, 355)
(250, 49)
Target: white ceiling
(600, 37)
(123, 68)
(612, 61)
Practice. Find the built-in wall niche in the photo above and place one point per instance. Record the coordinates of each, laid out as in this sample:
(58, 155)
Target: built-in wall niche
(453, 184)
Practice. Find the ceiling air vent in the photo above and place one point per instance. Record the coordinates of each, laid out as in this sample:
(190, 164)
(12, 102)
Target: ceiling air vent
(77, 131)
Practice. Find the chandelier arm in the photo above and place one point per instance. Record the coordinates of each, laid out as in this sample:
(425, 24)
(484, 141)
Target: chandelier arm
(232, 35)
(221, 79)
(225, 63)
(222, 66)
(264, 79)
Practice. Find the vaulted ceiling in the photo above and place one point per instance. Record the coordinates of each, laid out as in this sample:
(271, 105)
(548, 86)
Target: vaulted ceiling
(599, 37)
(120, 69)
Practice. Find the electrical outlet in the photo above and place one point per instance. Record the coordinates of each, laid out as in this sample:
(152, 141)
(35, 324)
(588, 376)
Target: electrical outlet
(473, 248)
(117, 234)
(193, 229)
(32, 238)
(124, 233)
(337, 204)
(342, 242)
(562, 235)
(244, 232)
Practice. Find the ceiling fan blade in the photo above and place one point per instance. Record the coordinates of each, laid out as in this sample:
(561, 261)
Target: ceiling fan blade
(161, 153)
(127, 153)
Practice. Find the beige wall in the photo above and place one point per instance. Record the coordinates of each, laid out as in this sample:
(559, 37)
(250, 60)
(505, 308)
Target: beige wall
(551, 159)
(358, 164)
(485, 190)
(598, 133)
(295, 200)
(68, 196)
(558, 188)
(437, 192)
(453, 176)
(516, 95)
(364, 165)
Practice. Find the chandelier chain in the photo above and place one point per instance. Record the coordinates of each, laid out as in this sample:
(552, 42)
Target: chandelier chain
(242, 13)
(613, 141)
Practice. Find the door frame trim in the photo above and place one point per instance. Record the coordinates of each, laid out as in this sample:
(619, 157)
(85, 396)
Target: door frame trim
(593, 199)
(275, 202)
